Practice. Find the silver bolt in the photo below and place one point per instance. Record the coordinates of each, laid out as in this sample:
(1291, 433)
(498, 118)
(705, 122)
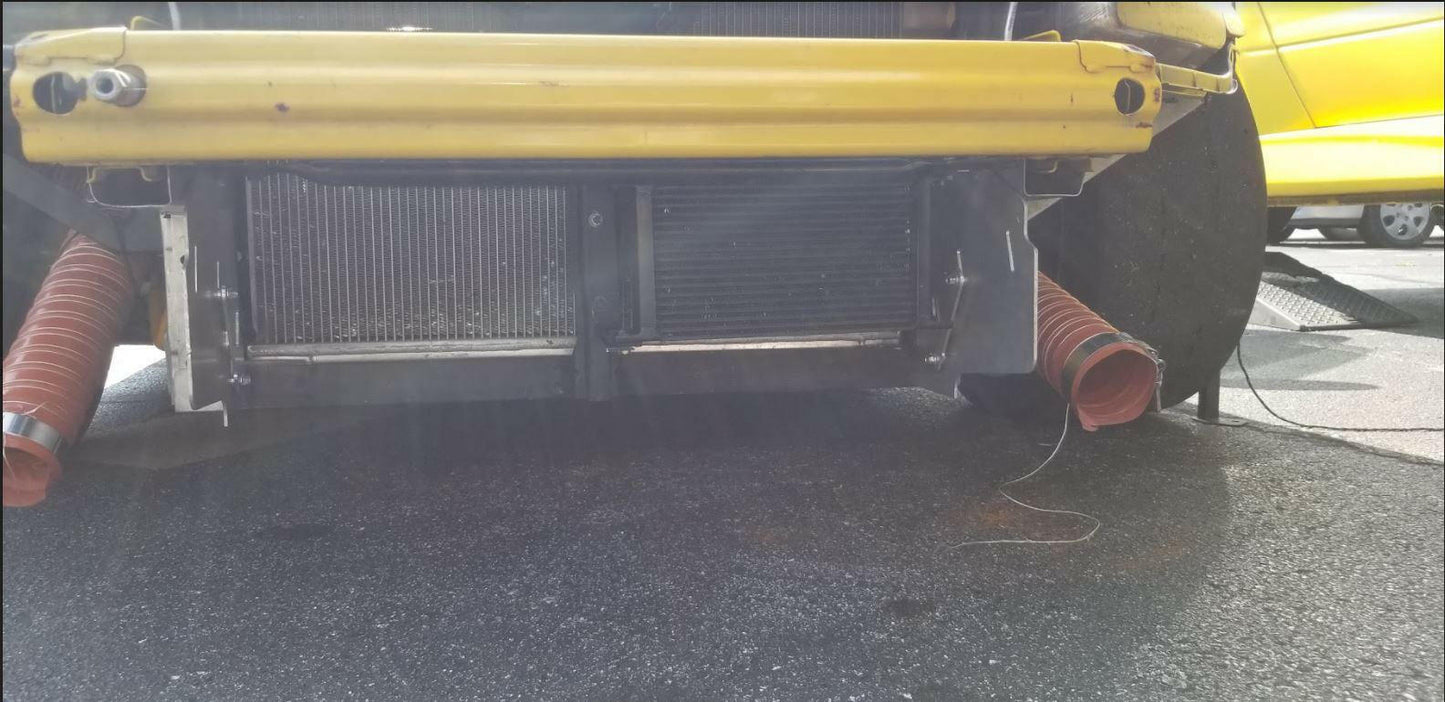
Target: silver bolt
(240, 379)
(934, 359)
(594, 219)
(123, 86)
(956, 280)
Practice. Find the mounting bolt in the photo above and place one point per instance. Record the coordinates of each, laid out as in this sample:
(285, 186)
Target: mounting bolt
(123, 86)
(934, 359)
(594, 219)
(239, 380)
(956, 280)
(222, 294)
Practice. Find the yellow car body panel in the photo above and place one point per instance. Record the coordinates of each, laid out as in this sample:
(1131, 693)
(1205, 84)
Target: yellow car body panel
(1389, 161)
(1302, 22)
(1394, 73)
(1349, 98)
(228, 95)
(1272, 96)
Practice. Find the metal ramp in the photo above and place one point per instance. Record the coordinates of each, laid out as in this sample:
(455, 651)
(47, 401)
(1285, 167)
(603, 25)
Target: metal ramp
(1296, 297)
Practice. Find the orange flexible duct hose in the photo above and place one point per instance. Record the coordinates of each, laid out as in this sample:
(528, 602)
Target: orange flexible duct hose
(1108, 377)
(56, 367)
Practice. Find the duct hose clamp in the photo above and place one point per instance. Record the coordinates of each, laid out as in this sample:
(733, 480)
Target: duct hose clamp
(28, 427)
(1087, 348)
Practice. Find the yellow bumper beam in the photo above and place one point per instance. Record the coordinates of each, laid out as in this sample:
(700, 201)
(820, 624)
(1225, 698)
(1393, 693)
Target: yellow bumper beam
(338, 95)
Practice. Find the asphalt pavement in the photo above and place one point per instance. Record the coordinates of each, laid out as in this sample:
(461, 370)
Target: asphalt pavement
(1378, 378)
(752, 546)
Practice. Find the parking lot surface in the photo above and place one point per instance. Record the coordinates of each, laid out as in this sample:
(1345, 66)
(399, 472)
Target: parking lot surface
(1358, 377)
(751, 547)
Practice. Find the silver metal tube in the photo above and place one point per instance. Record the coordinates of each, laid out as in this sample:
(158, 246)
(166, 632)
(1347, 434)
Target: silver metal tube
(459, 348)
(408, 356)
(757, 345)
(28, 427)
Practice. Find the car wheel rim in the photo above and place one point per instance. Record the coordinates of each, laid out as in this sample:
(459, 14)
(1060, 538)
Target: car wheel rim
(1404, 220)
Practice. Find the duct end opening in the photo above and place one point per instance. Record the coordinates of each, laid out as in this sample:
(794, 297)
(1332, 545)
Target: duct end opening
(1114, 386)
(29, 469)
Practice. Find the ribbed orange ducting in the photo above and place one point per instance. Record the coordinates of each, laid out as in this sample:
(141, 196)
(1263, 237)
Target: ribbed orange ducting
(56, 367)
(1107, 376)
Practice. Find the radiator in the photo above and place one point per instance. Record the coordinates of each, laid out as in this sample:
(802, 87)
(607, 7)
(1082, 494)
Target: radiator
(763, 260)
(860, 20)
(362, 264)
(344, 263)
(870, 20)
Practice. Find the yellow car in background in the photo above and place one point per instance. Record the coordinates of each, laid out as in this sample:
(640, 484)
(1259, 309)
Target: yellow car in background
(1348, 100)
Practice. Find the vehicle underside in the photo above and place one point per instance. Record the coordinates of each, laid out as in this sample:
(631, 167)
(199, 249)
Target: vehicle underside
(407, 202)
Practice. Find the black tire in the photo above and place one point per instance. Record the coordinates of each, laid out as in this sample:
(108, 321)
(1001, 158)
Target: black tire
(1167, 245)
(1278, 223)
(1403, 225)
(1340, 233)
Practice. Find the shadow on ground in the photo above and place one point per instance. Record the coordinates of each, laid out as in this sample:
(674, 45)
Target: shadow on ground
(672, 548)
(1427, 304)
(1305, 354)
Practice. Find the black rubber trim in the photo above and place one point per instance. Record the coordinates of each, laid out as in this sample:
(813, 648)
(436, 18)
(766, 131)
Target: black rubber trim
(1081, 353)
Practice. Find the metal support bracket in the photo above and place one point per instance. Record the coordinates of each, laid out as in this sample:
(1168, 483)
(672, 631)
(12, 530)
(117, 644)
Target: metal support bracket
(958, 282)
(175, 259)
(213, 303)
(599, 307)
(1175, 108)
(1208, 412)
(1057, 178)
(646, 266)
(59, 203)
(985, 274)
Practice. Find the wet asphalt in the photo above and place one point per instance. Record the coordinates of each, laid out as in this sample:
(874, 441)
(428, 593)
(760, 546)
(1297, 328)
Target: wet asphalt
(788, 547)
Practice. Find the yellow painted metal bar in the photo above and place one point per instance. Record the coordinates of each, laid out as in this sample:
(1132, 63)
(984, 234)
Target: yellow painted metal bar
(295, 95)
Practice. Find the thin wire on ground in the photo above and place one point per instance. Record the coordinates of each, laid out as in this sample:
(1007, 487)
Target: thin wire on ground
(1239, 358)
(1068, 410)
